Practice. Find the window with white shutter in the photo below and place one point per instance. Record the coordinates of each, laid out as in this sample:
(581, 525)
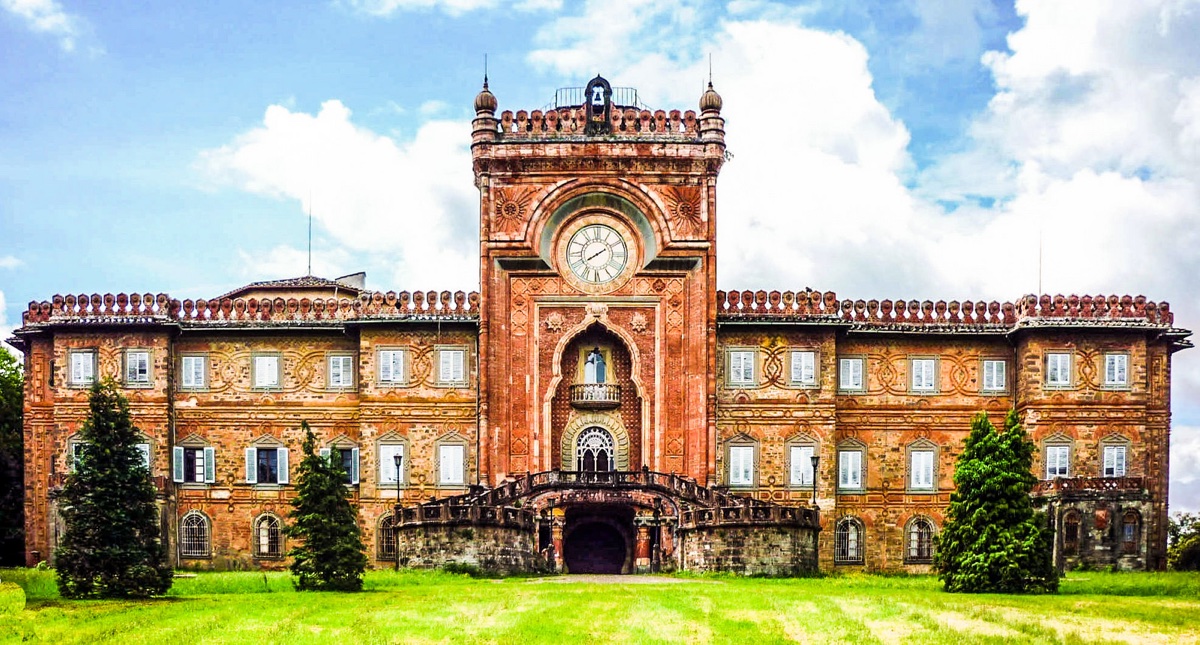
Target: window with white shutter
(923, 374)
(741, 367)
(1114, 461)
(1116, 370)
(266, 371)
(1058, 369)
(920, 468)
(995, 377)
(801, 466)
(451, 366)
(450, 464)
(341, 371)
(144, 450)
(387, 463)
(850, 469)
(850, 374)
(193, 371)
(391, 366)
(1057, 461)
(804, 368)
(137, 367)
(83, 368)
(741, 465)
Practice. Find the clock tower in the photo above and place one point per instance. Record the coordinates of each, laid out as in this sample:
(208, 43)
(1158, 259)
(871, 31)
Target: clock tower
(597, 235)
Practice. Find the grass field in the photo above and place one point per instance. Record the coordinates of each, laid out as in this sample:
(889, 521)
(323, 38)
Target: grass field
(435, 607)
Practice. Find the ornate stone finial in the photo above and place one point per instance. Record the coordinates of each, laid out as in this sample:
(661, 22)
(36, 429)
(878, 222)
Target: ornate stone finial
(485, 101)
(710, 100)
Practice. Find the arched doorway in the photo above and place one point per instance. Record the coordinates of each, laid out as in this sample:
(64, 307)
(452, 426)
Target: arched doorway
(595, 547)
(594, 451)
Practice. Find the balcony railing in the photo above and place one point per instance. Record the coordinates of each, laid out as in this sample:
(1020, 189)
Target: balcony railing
(596, 396)
(1079, 484)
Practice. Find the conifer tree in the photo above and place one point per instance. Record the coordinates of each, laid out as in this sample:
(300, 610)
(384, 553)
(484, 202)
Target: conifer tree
(12, 461)
(993, 541)
(331, 556)
(112, 546)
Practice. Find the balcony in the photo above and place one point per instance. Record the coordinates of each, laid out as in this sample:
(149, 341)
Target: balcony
(596, 396)
(1068, 485)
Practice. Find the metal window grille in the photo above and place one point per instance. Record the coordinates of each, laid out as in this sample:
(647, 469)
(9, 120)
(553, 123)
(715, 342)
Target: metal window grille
(387, 538)
(920, 541)
(1071, 534)
(1129, 532)
(848, 542)
(194, 537)
(268, 538)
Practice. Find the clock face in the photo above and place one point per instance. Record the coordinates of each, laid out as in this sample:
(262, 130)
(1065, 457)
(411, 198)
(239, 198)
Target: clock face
(597, 253)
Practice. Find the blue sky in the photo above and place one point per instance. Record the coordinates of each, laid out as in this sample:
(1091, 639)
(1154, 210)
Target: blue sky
(911, 149)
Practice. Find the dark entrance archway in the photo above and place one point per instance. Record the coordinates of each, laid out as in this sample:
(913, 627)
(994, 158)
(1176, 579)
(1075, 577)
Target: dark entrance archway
(595, 547)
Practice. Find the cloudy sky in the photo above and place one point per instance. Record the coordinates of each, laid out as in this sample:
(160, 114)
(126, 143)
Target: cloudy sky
(914, 149)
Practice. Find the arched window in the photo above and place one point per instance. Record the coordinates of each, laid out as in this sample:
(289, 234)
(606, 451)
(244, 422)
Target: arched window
(194, 536)
(1130, 532)
(1071, 533)
(387, 538)
(848, 548)
(268, 539)
(594, 450)
(920, 541)
(594, 368)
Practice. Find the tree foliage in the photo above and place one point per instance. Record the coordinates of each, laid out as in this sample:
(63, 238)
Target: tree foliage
(112, 546)
(12, 460)
(993, 540)
(1183, 542)
(331, 556)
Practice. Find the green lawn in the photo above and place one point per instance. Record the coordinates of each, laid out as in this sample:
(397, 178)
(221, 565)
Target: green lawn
(434, 607)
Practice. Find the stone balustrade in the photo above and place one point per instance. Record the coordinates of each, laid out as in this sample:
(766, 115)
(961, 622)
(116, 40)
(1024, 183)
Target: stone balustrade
(1081, 484)
(568, 121)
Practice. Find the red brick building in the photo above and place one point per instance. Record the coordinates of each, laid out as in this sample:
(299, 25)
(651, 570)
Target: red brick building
(599, 402)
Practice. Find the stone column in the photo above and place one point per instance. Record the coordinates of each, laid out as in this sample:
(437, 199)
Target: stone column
(641, 562)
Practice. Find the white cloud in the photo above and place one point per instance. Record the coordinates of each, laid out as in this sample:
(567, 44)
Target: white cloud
(285, 261)
(6, 329)
(410, 201)
(10, 262)
(451, 7)
(47, 17)
(1185, 469)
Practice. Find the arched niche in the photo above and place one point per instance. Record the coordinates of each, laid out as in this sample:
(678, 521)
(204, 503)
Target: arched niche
(599, 200)
(609, 421)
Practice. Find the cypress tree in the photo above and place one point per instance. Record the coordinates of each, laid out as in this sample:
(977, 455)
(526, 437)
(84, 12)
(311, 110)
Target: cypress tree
(12, 462)
(331, 556)
(112, 546)
(993, 541)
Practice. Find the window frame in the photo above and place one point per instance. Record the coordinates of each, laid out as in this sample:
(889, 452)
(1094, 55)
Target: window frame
(278, 385)
(206, 552)
(815, 381)
(348, 359)
(442, 445)
(850, 359)
(742, 352)
(256, 534)
(386, 478)
(1131, 545)
(921, 446)
(843, 556)
(465, 381)
(390, 554)
(741, 443)
(847, 447)
(983, 380)
(282, 465)
(927, 363)
(179, 470)
(1057, 444)
(204, 371)
(911, 532)
(1113, 443)
(1070, 544)
(801, 443)
(128, 383)
(1056, 384)
(95, 367)
(397, 380)
(1124, 384)
(341, 445)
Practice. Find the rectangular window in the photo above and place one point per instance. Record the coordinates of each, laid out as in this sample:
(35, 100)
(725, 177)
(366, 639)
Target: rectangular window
(995, 377)
(741, 465)
(850, 374)
(450, 366)
(193, 372)
(194, 465)
(341, 371)
(804, 368)
(923, 374)
(83, 368)
(801, 466)
(391, 366)
(1114, 461)
(450, 464)
(137, 367)
(74, 453)
(387, 463)
(1058, 370)
(1057, 461)
(144, 450)
(850, 469)
(346, 459)
(267, 465)
(741, 367)
(266, 371)
(1116, 370)
(920, 467)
